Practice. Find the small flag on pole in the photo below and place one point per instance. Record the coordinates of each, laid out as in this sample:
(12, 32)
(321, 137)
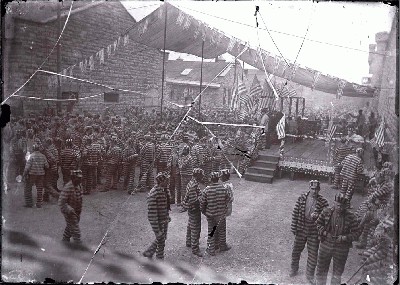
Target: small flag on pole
(280, 128)
(331, 130)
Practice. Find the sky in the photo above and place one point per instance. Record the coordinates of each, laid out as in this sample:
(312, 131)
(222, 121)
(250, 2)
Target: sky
(346, 24)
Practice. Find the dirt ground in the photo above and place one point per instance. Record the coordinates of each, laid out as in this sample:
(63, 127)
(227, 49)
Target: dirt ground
(258, 230)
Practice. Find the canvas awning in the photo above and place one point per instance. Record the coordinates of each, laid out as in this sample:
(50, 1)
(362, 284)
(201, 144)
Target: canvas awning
(185, 34)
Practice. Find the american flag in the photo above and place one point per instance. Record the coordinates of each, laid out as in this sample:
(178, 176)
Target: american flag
(378, 140)
(280, 128)
(285, 91)
(267, 99)
(243, 97)
(255, 94)
(331, 130)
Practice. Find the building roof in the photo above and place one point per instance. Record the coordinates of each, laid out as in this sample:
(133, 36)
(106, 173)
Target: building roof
(174, 71)
(46, 11)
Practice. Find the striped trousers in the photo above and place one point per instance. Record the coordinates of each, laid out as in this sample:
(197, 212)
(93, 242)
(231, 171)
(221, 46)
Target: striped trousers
(38, 181)
(218, 239)
(89, 173)
(347, 189)
(111, 177)
(66, 173)
(331, 250)
(161, 167)
(337, 178)
(307, 236)
(129, 177)
(146, 177)
(193, 230)
(175, 186)
(72, 228)
(158, 245)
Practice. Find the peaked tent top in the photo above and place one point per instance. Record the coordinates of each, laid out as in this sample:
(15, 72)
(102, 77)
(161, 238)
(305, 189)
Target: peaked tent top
(185, 34)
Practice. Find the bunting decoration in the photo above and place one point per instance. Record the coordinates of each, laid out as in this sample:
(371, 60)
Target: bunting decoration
(109, 51)
(91, 62)
(160, 13)
(317, 74)
(71, 70)
(231, 44)
(341, 85)
(126, 40)
(144, 27)
(294, 68)
(203, 34)
(119, 41)
(114, 46)
(187, 23)
(101, 56)
(81, 66)
(180, 18)
(286, 66)
(277, 62)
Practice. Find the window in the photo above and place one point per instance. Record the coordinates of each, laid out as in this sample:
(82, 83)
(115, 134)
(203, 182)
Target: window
(186, 71)
(111, 97)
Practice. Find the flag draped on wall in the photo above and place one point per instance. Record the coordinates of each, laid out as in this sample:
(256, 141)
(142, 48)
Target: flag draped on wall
(255, 94)
(379, 138)
(331, 130)
(243, 97)
(280, 128)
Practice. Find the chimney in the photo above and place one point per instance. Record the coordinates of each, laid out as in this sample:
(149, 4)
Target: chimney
(381, 41)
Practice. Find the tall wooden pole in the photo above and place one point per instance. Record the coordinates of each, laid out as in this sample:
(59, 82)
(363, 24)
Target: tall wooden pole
(163, 67)
(59, 58)
(201, 76)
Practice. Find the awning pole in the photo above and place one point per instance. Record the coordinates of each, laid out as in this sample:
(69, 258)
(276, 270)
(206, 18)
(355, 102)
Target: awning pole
(201, 77)
(163, 66)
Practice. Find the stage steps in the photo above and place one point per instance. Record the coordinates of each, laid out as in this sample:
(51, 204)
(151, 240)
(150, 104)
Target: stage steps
(263, 169)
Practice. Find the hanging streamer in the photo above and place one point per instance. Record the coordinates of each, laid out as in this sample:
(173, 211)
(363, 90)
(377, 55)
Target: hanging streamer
(160, 13)
(119, 41)
(341, 84)
(231, 44)
(180, 18)
(294, 70)
(109, 51)
(101, 56)
(126, 40)
(197, 31)
(71, 70)
(114, 46)
(187, 23)
(91, 62)
(277, 62)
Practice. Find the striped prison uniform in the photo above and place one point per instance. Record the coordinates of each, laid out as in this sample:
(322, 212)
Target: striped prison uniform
(174, 179)
(186, 171)
(198, 156)
(216, 159)
(129, 160)
(70, 203)
(146, 176)
(68, 161)
(192, 204)
(383, 192)
(351, 167)
(91, 161)
(214, 200)
(208, 162)
(367, 219)
(340, 153)
(229, 187)
(158, 216)
(164, 152)
(114, 157)
(35, 167)
(100, 164)
(306, 210)
(378, 260)
(331, 225)
(51, 174)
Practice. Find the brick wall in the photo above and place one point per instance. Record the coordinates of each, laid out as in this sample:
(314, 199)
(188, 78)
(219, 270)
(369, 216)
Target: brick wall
(134, 66)
(386, 106)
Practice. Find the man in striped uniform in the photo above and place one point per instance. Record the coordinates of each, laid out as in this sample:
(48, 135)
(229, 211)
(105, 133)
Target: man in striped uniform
(147, 155)
(164, 151)
(68, 160)
(385, 189)
(307, 209)
(70, 203)
(35, 167)
(192, 205)
(341, 151)
(352, 167)
(175, 177)
(337, 228)
(214, 201)
(368, 220)
(51, 175)
(114, 157)
(129, 160)
(185, 163)
(198, 154)
(158, 215)
(93, 155)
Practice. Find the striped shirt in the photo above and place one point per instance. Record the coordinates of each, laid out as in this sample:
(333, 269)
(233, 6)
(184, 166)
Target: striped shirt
(68, 158)
(164, 152)
(147, 153)
(198, 155)
(186, 165)
(340, 153)
(157, 206)
(71, 199)
(383, 193)
(191, 200)
(352, 167)
(114, 155)
(36, 164)
(214, 200)
(299, 211)
(51, 154)
(93, 154)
